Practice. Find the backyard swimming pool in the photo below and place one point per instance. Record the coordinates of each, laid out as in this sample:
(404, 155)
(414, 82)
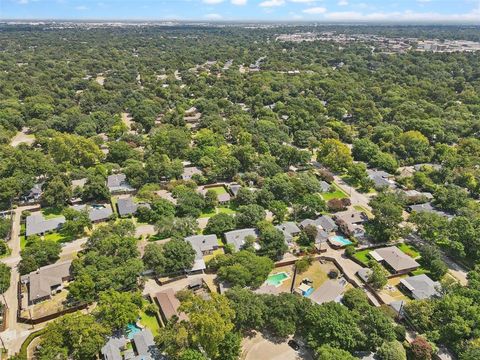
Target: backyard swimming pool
(132, 330)
(277, 279)
(340, 241)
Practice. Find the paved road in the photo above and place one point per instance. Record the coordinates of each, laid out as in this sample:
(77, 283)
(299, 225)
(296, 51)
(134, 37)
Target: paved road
(15, 333)
(356, 197)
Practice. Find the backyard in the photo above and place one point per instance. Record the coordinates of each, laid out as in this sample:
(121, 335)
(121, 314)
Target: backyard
(337, 194)
(317, 273)
(218, 210)
(150, 322)
(284, 286)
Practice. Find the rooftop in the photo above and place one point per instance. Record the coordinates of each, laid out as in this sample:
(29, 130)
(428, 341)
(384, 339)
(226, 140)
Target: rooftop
(118, 183)
(169, 304)
(421, 286)
(395, 258)
(237, 237)
(37, 224)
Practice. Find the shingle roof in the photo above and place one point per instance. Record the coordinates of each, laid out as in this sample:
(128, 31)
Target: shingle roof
(201, 243)
(331, 290)
(144, 343)
(118, 183)
(111, 350)
(327, 223)
(352, 216)
(37, 224)
(237, 237)
(126, 206)
(324, 186)
(234, 188)
(96, 213)
(41, 280)
(188, 172)
(421, 286)
(169, 304)
(289, 227)
(395, 258)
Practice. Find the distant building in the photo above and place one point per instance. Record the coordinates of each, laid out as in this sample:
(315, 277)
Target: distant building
(188, 172)
(427, 207)
(394, 259)
(234, 189)
(36, 224)
(118, 184)
(237, 237)
(351, 217)
(47, 280)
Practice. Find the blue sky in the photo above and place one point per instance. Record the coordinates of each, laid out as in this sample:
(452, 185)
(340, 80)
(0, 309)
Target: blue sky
(266, 10)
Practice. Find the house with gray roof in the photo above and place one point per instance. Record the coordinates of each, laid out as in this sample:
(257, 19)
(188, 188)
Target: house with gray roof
(289, 230)
(37, 224)
(234, 189)
(394, 259)
(47, 280)
(79, 183)
(364, 274)
(326, 223)
(127, 207)
(237, 237)
(427, 207)
(414, 195)
(324, 186)
(420, 287)
(118, 184)
(381, 179)
(143, 347)
(188, 172)
(96, 213)
(351, 217)
(34, 194)
(203, 245)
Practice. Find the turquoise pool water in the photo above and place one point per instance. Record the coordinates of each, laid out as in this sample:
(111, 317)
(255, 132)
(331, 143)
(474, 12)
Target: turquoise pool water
(132, 330)
(277, 279)
(340, 240)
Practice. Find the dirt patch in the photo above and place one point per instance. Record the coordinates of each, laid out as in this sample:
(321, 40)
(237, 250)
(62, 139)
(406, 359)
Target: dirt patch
(258, 346)
(22, 137)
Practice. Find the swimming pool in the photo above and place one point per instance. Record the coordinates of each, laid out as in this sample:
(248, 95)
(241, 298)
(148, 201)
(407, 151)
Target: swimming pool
(132, 330)
(339, 240)
(277, 279)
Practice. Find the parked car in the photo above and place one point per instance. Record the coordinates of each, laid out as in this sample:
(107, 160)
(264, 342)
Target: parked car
(294, 345)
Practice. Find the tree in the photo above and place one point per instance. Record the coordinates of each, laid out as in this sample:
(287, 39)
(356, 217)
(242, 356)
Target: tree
(209, 321)
(355, 299)
(332, 324)
(272, 241)
(5, 274)
(154, 258)
(190, 354)
(377, 327)
(56, 192)
(219, 224)
(326, 352)
(392, 350)
(420, 349)
(118, 309)
(95, 189)
(387, 209)
(335, 155)
(77, 336)
(279, 210)
(249, 216)
(249, 309)
(378, 277)
(230, 347)
(451, 198)
(4, 228)
(310, 206)
(414, 147)
(76, 222)
(242, 268)
(179, 255)
(211, 199)
(38, 253)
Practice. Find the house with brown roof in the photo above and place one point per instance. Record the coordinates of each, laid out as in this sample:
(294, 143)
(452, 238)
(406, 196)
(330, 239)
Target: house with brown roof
(395, 260)
(169, 304)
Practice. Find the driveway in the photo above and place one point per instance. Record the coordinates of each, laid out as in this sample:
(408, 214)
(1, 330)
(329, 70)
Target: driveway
(261, 347)
(356, 197)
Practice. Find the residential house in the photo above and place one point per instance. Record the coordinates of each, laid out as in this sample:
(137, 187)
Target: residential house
(166, 195)
(189, 172)
(192, 115)
(34, 194)
(395, 260)
(127, 207)
(427, 207)
(223, 198)
(420, 287)
(326, 223)
(47, 280)
(118, 184)
(237, 237)
(325, 187)
(142, 347)
(364, 274)
(79, 183)
(37, 224)
(234, 189)
(289, 230)
(96, 213)
(351, 222)
(169, 304)
(203, 245)
(330, 290)
(381, 179)
(414, 196)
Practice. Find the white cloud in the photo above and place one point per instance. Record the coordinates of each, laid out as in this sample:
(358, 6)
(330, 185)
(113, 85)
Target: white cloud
(302, 1)
(343, 3)
(81, 7)
(212, 2)
(239, 2)
(213, 16)
(272, 3)
(405, 16)
(22, 2)
(315, 10)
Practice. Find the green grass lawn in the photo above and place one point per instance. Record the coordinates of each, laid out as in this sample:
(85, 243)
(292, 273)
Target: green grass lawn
(420, 271)
(150, 322)
(362, 256)
(59, 237)
(23, 242)
(218, 189)
(114, 205)
(361, 208)
(224, 210)
(337, 194)
(409, 250)
(51, 212)
(219, 210)
(208, 214)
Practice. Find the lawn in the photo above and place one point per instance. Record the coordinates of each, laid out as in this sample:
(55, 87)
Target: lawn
(150, 322)
(218, 189)
(362, 256)
(409, 250)
(219, 210)
(60, 236)
(337, 194)
(206, 258)
(51, 212)
(23, 242)
(317, 272)
(361, 208)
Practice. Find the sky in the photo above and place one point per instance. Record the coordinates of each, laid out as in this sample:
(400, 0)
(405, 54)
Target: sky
(438, 11)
